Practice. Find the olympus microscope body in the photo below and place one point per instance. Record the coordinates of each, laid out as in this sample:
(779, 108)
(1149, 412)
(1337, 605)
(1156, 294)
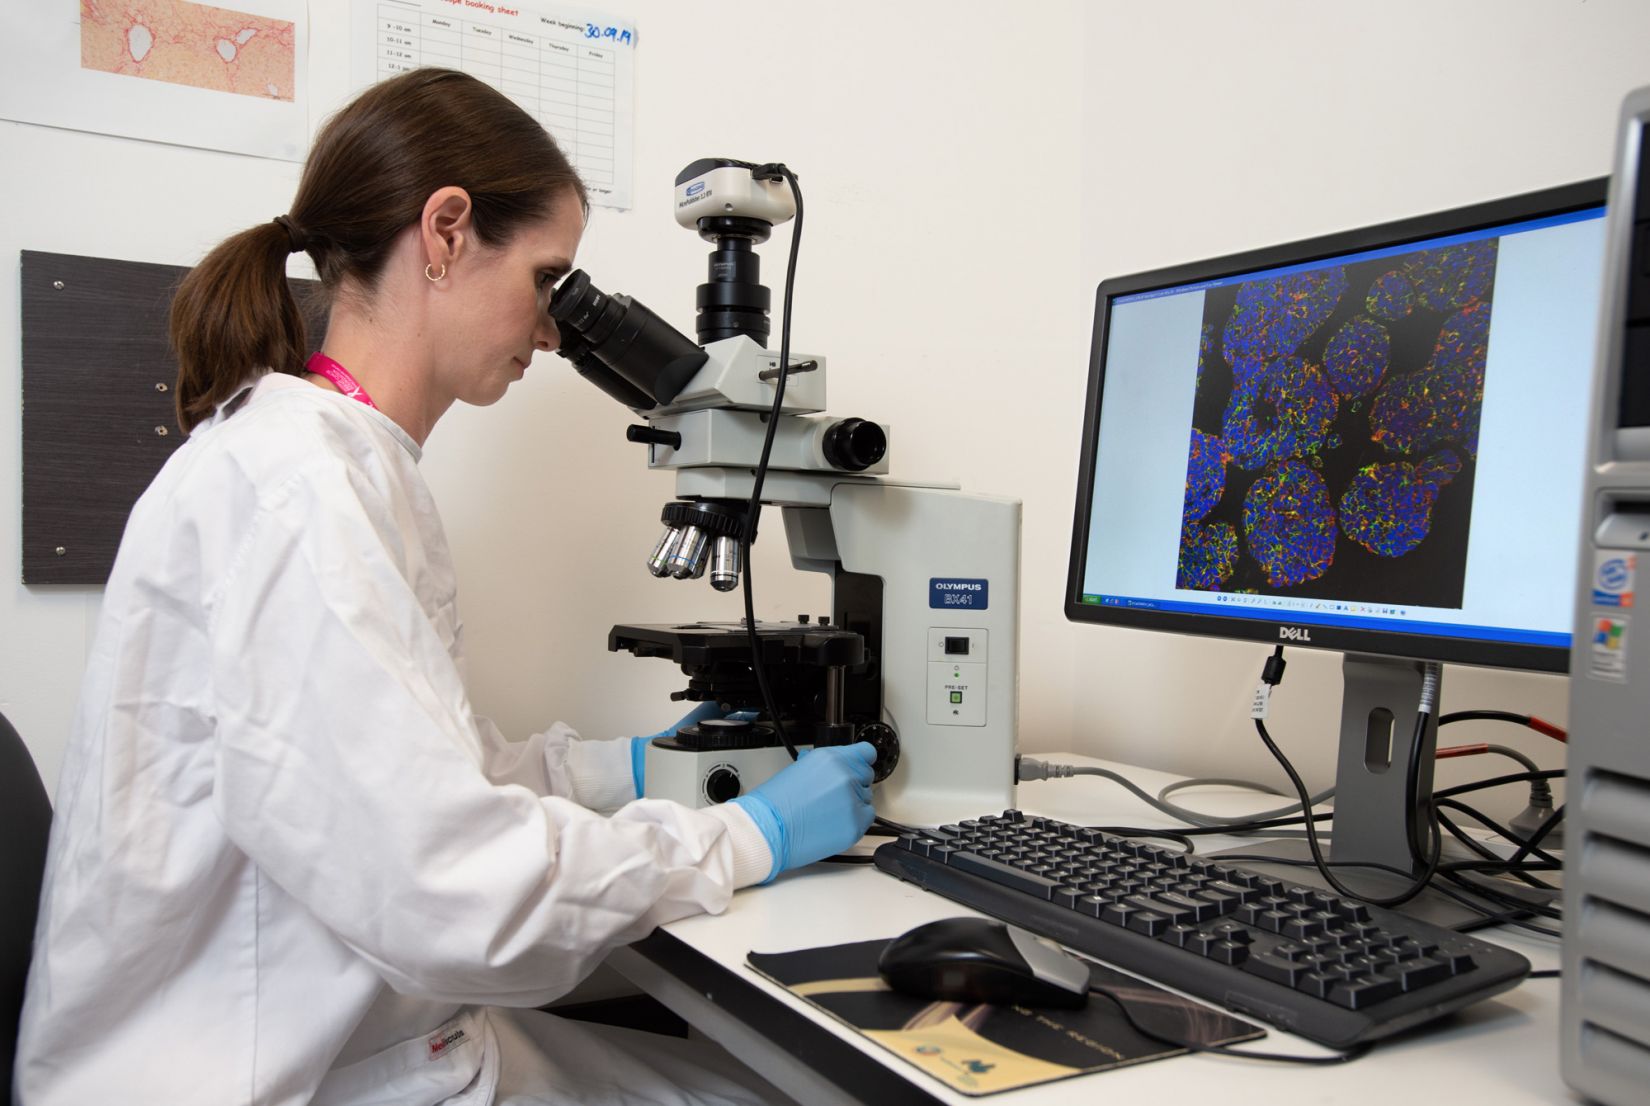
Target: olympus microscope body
(920, 652)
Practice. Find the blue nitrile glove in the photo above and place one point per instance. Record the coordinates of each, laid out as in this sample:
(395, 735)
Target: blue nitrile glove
(638, 745)
(816, 807)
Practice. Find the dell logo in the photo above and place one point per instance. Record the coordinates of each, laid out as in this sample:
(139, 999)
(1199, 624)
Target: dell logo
(1294, 633)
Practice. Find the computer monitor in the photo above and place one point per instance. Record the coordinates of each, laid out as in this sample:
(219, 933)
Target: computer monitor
(1371, 442)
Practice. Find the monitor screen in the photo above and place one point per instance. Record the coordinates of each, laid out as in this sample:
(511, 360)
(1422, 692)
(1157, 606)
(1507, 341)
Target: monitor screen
(1372, 441)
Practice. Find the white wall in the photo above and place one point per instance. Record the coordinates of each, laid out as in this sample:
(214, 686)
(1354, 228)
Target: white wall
(971, 171)
(1211, 128)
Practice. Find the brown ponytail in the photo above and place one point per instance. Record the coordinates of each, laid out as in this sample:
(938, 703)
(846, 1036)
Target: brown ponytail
(372, 168)
(234, 312)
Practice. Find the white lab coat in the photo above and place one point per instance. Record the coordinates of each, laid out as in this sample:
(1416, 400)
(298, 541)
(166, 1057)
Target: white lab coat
(289, 864)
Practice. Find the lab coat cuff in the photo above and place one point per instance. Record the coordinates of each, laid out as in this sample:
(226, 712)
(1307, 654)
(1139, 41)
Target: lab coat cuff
(600, 773)
(752, 859)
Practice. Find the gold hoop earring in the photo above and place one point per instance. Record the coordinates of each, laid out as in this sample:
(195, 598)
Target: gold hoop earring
(433, 277)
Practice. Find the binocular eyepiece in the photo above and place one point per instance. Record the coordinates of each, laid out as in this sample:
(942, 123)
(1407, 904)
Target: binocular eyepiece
(620, 346)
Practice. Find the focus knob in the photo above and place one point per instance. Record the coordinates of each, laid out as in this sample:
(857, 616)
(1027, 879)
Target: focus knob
(722, 784)
(854, 444)
(886, 743)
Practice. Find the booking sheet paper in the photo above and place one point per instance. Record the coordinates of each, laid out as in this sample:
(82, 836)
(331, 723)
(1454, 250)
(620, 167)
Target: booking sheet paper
(570, 68)
(230, 77)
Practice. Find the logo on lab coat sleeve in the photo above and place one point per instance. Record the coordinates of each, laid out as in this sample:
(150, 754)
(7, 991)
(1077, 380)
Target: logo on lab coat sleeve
(444, 1041)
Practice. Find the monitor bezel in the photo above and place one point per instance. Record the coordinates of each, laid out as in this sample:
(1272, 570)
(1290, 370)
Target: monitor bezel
(1563, 199)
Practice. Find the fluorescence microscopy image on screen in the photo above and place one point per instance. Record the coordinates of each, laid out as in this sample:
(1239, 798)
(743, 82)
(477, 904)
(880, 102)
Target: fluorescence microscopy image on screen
(1334, 434)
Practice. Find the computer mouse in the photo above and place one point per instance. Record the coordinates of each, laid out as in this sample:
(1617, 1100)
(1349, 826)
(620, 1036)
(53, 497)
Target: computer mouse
(981, 960)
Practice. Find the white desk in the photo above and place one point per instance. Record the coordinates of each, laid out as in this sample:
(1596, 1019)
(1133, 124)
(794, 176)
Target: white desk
(1503, 1050)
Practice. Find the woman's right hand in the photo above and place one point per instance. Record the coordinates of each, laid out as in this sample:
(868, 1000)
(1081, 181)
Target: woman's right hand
(816, 807)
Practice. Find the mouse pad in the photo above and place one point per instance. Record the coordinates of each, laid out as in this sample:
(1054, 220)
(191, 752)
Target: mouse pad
(981, 1049)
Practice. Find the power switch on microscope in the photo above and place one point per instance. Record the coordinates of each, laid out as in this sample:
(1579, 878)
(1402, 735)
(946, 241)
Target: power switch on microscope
(957, 675)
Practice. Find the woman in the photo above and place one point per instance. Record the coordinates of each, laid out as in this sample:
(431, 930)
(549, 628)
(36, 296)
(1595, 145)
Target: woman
(289, 863)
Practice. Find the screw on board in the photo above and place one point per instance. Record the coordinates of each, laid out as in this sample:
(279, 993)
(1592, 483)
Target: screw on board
(161, 430)
(58, 284)
(160, 386)
(61, 551)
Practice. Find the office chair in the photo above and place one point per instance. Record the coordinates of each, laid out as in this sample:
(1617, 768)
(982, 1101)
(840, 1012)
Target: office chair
(25, 821)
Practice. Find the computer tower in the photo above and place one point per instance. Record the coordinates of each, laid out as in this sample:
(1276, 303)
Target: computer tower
(1606, 987)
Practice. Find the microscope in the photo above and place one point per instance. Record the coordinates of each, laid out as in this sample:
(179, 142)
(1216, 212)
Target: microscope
(919, 653)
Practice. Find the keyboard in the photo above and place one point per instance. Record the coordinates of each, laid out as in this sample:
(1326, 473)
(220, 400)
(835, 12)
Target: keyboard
(1331, 969)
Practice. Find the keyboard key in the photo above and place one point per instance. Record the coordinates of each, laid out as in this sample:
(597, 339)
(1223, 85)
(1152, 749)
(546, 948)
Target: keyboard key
(1201, 910)
(1273, 920)
(1118, 913)
(1359, 994)
(1301, 927)
(1459, 962)
(1167, 904)
(1178, 935)
(1223, 903)
(1204, 908)
(1270, 967)
(1351, 911)
(1148, 922)
(1415, 974)
(1316, 984)
(1007, 875)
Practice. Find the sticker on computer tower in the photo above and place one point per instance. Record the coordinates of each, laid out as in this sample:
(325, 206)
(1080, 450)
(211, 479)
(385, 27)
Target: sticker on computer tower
(1608, 659)
(1613, 573)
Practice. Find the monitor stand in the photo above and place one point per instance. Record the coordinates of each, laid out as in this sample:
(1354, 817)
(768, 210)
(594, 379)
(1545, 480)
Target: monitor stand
(1378, 713)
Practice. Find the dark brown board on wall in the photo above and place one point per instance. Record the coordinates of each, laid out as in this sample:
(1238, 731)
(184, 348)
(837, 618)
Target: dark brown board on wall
(98, 418)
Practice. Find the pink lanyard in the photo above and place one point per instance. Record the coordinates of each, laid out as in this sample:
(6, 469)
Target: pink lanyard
(322, 365)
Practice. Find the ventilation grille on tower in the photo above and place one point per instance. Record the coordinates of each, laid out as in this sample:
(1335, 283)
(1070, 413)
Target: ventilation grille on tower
(1612, 932)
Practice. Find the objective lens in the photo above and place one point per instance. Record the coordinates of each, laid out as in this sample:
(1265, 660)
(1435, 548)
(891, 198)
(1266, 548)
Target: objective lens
(688, 557)
(658, 562)
(724, 564)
